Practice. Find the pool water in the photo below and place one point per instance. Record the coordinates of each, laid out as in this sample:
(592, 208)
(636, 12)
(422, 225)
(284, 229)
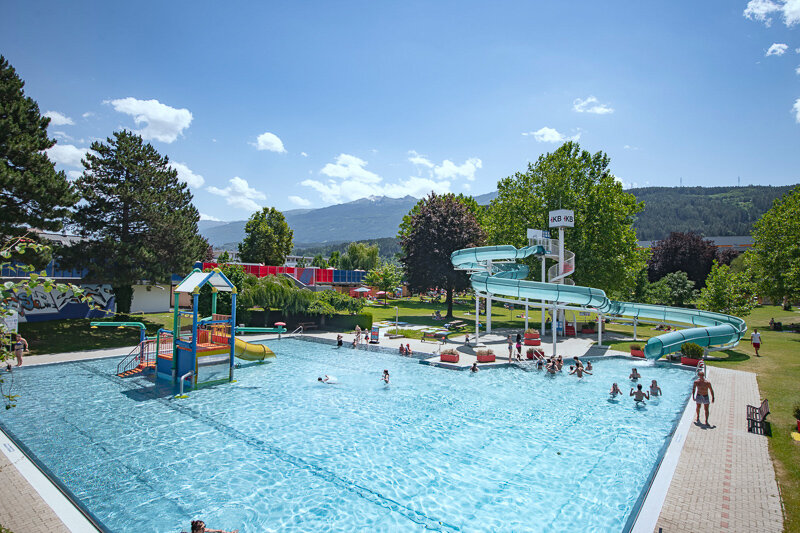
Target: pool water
(500, 450)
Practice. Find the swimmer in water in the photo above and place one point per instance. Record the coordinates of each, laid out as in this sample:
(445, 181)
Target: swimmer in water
(639, 395)
(655, 390)
(339, 341)
(328, 380)
(634, 375)
(385, 377)
(614, 390)
(474, 367)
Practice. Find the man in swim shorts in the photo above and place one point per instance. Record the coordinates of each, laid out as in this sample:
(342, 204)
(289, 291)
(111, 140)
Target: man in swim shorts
(639, 395)
(755, 340)
(700, 393)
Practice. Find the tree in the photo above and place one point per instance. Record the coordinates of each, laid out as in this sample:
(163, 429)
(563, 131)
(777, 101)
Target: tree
(319, 261)
(775, 256)
(603, 239)
(268, 238)
(674, 289)
(301, 263)
(360, 256)
(386, 277)
(208, 256)
(32, 193)
(728, 292)
(137, 216)
(224, 258)
(442, 225)
(682, 252)
(333, 260)
(478, 211)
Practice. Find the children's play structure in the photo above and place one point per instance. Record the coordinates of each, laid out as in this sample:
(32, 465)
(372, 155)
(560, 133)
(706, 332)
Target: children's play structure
(197, 351)
(496, 276)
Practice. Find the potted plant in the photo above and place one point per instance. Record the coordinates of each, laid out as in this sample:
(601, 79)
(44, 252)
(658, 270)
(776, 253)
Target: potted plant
(636, 351)
(691, 354)
(588, 327)
(797, 416)
(532, 337)
(448, 355)
(485, 356)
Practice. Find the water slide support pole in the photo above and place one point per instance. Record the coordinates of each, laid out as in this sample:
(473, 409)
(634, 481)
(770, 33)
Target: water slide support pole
(599, 329)
(477, 317)
(544, 331)
(489, 301)
(561, 270)
(553, 324)
(526, 314)
(635, 321)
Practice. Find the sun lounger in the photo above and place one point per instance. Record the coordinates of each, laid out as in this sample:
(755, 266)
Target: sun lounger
(757, 417)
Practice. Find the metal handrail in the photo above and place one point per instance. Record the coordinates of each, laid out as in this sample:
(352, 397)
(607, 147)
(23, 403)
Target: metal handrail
(183, 377)
(133, 356)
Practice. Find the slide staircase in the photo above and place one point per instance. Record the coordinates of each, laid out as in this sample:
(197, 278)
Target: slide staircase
(508, 279)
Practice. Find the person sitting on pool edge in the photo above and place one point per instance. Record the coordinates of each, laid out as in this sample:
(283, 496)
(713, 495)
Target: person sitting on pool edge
(614, 390)
(339, 341)
(402, 349)
(198, 526)
(655, 390)
(639, 395)
(634, 375)
(408, 349)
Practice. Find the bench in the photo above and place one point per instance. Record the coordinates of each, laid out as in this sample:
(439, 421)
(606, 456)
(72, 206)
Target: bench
(307, 325)
(439, 336)
(455, 324)
(757, 418)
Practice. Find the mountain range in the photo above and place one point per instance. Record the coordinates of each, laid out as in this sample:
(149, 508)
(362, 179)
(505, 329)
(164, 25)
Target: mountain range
(717, 211)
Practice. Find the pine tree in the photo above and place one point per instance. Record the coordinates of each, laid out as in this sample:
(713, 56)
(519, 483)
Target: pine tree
(32, 193)
(138, 217)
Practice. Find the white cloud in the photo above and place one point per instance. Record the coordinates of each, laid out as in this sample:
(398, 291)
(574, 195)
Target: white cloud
(270, 141)
(186, 175)
(304, 154)
(74, 174)
(203, 216)
(420, 160)
(591, 105)
(550, 135)
(88, 114)
(162, 122)
(626, 184)
(629, 147)
(57, 119)
(762, 10)
(449, 170)
(67, 155)
(777, 49)
(62, 135)
(797, 70)
(796, 109)
(302, 202)
(350, 167)
(239, 194)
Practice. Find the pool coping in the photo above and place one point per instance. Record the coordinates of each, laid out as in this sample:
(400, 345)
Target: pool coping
(642, 518)
(65, 505)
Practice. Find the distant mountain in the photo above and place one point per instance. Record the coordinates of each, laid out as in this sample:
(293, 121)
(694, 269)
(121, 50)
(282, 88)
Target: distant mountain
(717, 211)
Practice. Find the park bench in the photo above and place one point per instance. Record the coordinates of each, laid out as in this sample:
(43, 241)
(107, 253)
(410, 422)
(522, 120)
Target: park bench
(455, 324)
(757, 417)
(307, 325)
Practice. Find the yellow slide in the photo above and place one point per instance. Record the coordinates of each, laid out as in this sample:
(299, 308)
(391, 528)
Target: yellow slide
(252, 352)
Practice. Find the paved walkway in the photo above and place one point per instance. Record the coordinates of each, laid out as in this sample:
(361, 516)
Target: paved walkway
(21, 507)
(724, 480)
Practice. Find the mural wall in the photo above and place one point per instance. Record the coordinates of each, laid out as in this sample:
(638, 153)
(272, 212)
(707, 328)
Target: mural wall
(41, 306)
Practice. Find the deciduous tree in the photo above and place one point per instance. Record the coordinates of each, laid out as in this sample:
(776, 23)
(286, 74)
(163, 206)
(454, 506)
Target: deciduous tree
(137, 216)
(728, 292)
(386, 277)
(268, 238)
(32, 193)
(360, 256)
(603, 239)
(442, 225)
(682, 252)
(775, 256)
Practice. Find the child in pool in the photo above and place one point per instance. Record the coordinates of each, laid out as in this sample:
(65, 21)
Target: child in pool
(655, 390)
(614, 390)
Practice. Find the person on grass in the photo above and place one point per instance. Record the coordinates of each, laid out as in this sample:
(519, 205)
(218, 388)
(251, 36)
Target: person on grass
(755, 340)
(700, 392)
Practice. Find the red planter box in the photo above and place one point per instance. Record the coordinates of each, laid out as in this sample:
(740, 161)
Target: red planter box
(689, 362)
(587, 330)
(489, 358)
(533, 342)
(637, 353)
(448, 358)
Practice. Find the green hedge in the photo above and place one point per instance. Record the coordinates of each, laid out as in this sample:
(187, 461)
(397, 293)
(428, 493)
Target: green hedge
(349, 322)
(692, 350)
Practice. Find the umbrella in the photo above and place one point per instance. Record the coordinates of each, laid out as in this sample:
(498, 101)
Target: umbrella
(280, 323)
(380, 292)
(362, 289)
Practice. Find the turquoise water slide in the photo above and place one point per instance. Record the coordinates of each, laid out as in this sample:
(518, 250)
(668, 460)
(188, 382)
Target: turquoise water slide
(508, 279)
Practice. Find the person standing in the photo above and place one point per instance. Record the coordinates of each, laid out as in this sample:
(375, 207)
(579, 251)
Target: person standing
(755, 340)
(19, 345)
(510, 349)
(700, 392)
(339, 341)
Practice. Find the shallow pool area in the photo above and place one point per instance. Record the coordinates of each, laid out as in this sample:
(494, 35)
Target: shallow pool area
(501, 450)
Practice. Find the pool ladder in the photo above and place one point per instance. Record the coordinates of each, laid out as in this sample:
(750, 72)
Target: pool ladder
(141, 358)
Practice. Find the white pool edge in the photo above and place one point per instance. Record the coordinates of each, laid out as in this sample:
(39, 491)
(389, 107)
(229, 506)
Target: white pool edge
(64, 509)
(650, 510)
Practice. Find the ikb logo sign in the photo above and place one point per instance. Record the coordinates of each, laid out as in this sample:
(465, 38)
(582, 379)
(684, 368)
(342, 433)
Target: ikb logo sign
(563, 218)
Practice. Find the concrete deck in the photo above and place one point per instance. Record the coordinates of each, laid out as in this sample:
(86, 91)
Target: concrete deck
(724, 479)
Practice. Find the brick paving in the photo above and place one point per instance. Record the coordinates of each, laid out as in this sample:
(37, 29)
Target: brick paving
(724, 480)
(22, 509)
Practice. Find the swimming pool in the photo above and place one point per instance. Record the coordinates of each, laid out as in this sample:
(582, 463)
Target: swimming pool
(501, 450)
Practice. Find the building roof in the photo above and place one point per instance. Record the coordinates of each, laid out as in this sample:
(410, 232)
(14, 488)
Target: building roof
(736, 242)
(194, 281)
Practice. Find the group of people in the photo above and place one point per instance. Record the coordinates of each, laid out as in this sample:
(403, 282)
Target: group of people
(639, 395)
(357, 338)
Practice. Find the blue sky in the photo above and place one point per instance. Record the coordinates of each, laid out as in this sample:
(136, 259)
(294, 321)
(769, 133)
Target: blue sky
(307, 104)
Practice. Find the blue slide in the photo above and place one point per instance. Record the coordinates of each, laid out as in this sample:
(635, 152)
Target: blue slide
(508, 279)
